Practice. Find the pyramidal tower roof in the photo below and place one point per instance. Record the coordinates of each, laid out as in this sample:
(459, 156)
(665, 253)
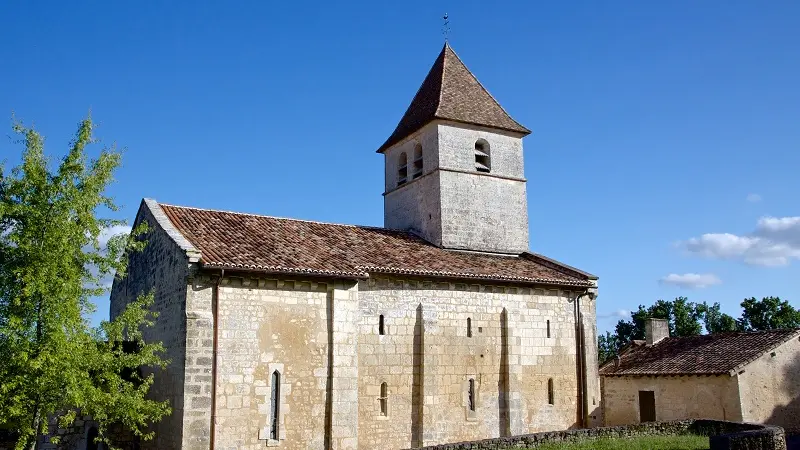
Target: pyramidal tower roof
(451, 92)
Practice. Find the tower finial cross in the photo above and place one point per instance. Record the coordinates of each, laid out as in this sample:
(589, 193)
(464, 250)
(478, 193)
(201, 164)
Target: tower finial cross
(446, 27)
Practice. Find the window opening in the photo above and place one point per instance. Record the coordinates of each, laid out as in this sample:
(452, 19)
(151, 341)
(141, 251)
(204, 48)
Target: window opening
(402, 169)
(417, 162)
(469, 327)
(384, 399)
(381, 328)
(482, 157)
(471, 394)
(548, 328)
(275, 396)
(550, 392)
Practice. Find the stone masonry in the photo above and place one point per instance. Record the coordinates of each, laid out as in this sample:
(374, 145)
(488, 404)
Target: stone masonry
(452, 205)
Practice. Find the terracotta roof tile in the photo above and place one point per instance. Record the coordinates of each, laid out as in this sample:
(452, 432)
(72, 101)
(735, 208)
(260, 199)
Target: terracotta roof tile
(712, 354)
(451, 92)
(269, 244)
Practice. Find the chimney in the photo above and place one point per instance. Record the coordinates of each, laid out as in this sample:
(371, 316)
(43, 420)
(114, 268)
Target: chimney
(655, 330)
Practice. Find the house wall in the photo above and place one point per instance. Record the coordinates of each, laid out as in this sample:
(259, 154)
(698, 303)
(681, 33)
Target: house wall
(162, 267)
(770, 388)
(676, 398)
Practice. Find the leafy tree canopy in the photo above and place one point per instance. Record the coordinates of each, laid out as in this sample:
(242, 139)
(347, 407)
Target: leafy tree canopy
(52, 262)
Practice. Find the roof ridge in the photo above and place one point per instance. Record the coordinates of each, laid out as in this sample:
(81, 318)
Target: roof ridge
(479, 85)
(265, 216)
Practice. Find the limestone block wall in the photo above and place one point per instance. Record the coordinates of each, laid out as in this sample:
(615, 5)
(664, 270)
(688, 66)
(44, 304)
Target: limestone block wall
(426, 358)
(472, 216)
(770, 388)
(416, 207)
(483, 212)
(163, 268)
(676, 398)
(306, 331)
(457, 145)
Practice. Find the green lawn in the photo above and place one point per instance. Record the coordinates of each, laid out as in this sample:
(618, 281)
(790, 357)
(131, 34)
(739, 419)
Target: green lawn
(687, 442)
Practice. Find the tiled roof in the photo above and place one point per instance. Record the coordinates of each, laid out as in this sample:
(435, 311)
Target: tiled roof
(451, 92)
(268, 244)
(712, 354)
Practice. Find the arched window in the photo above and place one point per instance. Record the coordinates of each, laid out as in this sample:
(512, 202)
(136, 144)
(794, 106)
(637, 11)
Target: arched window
(381, 328)
(551, 396)
(417, 162)
(483, 161)
(402, 169)
(384, 399)
(469, 327)
(548, 328)
(471, 394)
(275, 405)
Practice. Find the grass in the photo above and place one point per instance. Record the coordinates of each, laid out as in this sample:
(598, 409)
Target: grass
(683, 442)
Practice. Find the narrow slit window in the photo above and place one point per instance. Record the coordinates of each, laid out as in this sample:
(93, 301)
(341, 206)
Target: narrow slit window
(384, 399)
(417, 163)
(471, 394)
(483, 161)
(381, 327)
(469, 327)
(275, 406)
(402, 169)
(550, 392)
(548, 328)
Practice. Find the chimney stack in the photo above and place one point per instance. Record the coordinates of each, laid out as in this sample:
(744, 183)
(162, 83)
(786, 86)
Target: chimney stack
(655, 330)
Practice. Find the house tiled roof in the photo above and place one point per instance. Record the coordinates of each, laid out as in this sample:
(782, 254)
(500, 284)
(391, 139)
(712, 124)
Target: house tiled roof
(712, 354)
(451, 92)
(268, 244)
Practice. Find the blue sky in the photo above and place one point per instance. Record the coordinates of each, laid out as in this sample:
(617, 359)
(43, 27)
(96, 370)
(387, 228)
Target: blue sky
(666, 135)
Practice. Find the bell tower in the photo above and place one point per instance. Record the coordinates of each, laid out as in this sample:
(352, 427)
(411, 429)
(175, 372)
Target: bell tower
(454, 166)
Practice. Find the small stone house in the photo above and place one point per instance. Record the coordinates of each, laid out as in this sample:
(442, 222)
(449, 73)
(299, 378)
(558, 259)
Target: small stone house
(441, 326)
(749, 377)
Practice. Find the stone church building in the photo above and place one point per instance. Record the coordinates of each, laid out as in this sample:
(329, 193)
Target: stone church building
(442, 326)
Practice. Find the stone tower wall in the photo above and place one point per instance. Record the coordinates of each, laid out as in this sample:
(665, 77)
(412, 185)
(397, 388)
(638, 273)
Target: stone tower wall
(452, 204)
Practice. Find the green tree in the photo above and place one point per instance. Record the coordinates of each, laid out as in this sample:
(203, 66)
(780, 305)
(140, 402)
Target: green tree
(682, 315)
(52, 262)
(768, 314)
(716, 321)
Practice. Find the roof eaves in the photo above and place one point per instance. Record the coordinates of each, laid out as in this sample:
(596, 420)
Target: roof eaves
(558, 265)
(741, 366)
(475, 276)
(192, 252)
(287, 270)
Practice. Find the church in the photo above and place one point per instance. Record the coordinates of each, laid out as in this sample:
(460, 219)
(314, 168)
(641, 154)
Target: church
(441, 326)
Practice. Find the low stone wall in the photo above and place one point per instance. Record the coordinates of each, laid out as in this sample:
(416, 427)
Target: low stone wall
(722, 435)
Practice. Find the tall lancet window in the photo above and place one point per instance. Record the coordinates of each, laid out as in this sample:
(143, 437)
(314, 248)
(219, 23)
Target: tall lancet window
(471, 394)
(417, 162)
(402, 169)
(483, 162)
(275, 405)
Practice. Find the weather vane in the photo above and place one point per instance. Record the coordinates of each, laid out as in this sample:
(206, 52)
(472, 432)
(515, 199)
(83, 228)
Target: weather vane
(446, 27)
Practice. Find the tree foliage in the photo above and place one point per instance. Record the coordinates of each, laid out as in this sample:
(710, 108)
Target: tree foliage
(52, 262)
(686, 318)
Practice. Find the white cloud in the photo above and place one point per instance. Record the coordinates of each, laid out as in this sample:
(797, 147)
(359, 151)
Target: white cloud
(753, 198)
(775, 242)
(618, 314)
(691, 280)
